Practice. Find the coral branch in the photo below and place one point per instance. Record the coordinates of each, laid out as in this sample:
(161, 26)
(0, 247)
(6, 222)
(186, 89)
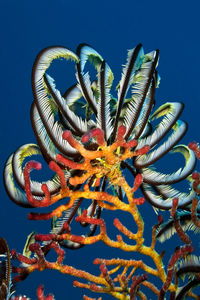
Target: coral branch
(137, 280)
(182, 235)
(40, 294)
(37, 203)
(193, 212)
(195, 147)
(181, 252)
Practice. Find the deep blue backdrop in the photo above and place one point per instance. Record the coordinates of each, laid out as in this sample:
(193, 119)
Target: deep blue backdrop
(111, 27)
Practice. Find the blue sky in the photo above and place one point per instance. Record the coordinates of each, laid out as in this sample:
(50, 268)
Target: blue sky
(111, 27)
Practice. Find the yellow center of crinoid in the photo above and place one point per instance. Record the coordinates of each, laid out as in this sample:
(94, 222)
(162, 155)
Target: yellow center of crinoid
(109, 164)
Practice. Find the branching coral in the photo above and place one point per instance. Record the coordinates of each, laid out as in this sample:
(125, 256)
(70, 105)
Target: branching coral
(105, 137)
(120, 281)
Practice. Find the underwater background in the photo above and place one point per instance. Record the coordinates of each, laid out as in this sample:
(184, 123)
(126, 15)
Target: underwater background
(111, 27)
